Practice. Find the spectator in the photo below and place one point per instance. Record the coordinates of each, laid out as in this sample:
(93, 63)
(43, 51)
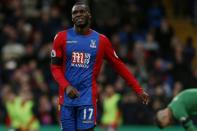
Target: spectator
(111, 117)
(19, 109)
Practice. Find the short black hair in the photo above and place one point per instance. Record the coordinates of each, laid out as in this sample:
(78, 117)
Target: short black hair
(82, 2)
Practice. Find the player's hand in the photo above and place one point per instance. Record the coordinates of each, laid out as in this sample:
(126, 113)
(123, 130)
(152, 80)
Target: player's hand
(72, 92)
(144, 97)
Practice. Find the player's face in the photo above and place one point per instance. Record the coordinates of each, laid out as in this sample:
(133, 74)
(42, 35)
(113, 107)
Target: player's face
(80, 15)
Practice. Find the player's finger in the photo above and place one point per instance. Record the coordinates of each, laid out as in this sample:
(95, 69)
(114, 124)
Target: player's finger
(145, 100)
(71, 94)
(74, 94)
(142, 99)
(148, 100)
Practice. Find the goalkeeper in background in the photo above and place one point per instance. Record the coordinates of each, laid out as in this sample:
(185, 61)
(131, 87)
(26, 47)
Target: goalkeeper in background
(182, 107)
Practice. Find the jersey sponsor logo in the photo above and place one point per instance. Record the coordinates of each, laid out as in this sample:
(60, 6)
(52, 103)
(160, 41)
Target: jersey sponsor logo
(80, 59)
(53, 53)
(93, 43)
(71, 41)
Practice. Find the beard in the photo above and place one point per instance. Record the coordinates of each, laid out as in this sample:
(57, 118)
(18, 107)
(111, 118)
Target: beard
(82, 25)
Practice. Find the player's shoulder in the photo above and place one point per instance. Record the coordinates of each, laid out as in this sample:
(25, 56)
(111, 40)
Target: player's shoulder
(104, 38)
(69, 30)
(60, 33)
(189, 91)
(100, 34)
(59, 37)
(65, 31)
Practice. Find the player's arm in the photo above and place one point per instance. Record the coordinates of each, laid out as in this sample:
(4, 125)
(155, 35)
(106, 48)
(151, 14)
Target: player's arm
(57, 65)
(122, 70)
(187, 123)
(57, 60)
(182, 116)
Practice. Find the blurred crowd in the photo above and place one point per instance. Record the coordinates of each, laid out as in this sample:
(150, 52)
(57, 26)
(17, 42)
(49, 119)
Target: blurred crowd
(141, 36)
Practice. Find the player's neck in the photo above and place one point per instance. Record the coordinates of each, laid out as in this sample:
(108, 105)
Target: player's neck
(82, 31)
